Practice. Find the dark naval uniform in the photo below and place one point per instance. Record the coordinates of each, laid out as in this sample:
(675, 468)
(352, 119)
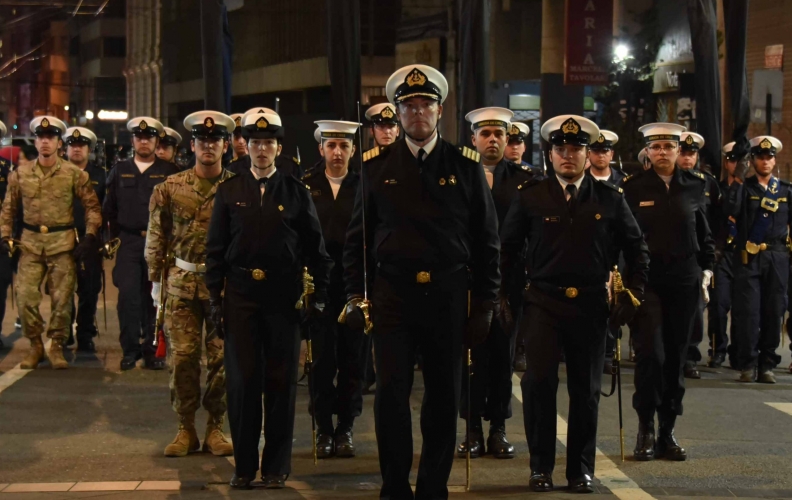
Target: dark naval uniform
(429, 220)
(493, 361)
(674, 224)
(126, 212)
(724, 232)
(570, 247)
(761, 272)
(256, 249)
(285, 164)
(337, 349)
(89, 275)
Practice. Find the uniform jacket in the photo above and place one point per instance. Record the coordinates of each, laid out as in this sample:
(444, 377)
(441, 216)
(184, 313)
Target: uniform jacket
(422, 219)
(98, 176)
(742, 203)
(566, 250)
(334, 216)
(278, 232)
(505, 179)
(285, 164)
(47, 200)
(673, 220)
(615, 176)
(129, 193)
(179, 224)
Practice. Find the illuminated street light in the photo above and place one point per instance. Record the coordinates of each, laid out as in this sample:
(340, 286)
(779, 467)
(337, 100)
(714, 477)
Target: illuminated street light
(66, 108)
(621, 52)
(89, 114)
(113, 115)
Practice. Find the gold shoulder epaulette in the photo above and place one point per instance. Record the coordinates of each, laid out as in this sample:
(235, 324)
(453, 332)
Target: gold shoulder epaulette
(233, 160)
(371, 153)
(697, 174)
(470, 154)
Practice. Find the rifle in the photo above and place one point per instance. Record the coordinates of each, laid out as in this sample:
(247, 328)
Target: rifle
(617, 287)
(101, 160)
(467, 421)
(159, 325)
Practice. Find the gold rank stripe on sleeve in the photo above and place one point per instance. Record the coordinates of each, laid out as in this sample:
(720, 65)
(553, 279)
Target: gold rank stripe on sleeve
(371, 153)
(471, 154)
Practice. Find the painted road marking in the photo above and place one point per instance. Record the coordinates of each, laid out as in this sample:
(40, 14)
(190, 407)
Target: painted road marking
(608, 472)
(784, 407)
(16, 373)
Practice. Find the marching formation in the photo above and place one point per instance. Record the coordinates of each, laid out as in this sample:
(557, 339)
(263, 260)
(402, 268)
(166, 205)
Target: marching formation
(469, 262)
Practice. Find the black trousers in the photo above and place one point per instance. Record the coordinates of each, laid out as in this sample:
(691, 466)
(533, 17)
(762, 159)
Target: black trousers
(339, 353)
(89, 286)
(136, 313)
(760, 300)
(663, 328)
(491, 384)
(581, 338)
(262, 351)
(407, 316)
(697, 331)
(721, 303)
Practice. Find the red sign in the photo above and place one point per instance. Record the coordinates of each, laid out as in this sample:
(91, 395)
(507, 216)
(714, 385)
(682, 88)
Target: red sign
(774, 57)
(589, 42)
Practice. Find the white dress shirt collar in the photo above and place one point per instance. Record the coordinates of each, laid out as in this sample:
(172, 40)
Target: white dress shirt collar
(414, 148)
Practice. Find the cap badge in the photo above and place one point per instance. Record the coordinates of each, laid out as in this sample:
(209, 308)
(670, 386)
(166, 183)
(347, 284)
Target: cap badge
(76, 133)
(766, 144)
(514, 130)
(570, 127)
(601, 138)
(260, 112)
(689, 140)
(238, 120)
(208, 122)
(386, 112)
(415, 77)
(44, 123)
(142, 125)
(262, 123)
(162, 134)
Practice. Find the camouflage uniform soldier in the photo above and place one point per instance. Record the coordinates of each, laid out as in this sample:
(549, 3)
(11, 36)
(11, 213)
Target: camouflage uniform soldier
(180, 210)
(46, 190)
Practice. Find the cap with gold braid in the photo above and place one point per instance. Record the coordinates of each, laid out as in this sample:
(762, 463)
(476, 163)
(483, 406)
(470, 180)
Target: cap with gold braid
(262, 126)
(47, 125)
(570, 129)
(79, 135)
(416, 80)
(237, 117)
(605, 141)
(765, 145)
(691, 141)
(145, 125)
(170, 137)
(518, 132)
(382, 113)
(209, 124)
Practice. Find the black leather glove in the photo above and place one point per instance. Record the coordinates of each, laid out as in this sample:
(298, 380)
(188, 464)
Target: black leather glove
(88, 249)
(353, 314)
(741, 170)
(314, 307)
(505, 317)
(216, 312)
(480, 320)
(623, 311)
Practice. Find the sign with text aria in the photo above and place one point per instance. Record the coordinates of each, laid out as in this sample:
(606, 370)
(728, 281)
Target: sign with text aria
(588, 41)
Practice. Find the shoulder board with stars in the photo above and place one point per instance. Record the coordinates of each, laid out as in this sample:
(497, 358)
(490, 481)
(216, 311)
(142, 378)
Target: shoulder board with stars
(470, 154)
(698, 174)
(612, 186)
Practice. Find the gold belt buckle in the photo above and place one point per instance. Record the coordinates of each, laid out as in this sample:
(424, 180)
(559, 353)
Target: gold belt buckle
(571, 292)
(201, 268)
(423, 277)
(753, 249)
(43, 229)
(259, 275)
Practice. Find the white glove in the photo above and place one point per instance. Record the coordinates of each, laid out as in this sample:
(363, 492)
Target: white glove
(706, 279)
(155, 292)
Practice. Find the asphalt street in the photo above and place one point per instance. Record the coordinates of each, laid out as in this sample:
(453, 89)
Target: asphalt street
(93, 431)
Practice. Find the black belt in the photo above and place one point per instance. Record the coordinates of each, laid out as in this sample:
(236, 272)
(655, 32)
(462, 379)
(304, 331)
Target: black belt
(45, 229)
(421, 277)
(569, 292)
(136, 232)
(263, 274)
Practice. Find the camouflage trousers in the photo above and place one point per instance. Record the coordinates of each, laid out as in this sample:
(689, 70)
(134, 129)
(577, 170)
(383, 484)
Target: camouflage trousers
(60, 273)
(184, 322)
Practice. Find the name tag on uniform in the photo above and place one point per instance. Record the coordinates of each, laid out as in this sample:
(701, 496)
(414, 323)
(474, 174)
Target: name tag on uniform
(391, 181)
(316, 193)
(552, 218)
(161, 176)
(128, 176)
(754, 197)
(241, 204)
(646, 204)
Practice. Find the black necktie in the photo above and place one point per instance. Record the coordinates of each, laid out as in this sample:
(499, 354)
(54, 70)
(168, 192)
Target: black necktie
(421, 154)
(263, 181)
(572, 190)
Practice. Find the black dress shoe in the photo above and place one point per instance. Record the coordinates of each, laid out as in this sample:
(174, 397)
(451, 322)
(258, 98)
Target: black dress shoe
(667, 445)
(476, 440)
(691, 371)
(86, 346)
(717, 360)
(541, 482)
(274, 482)
(344, 448)
(583, 484)
(497, 444)
(129, 362)
(645, 445)
(324, 446)
(241, 482)
(154, 363)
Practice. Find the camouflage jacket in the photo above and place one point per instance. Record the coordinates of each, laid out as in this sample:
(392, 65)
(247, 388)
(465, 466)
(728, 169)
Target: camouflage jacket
(47, 200)
(179, 218)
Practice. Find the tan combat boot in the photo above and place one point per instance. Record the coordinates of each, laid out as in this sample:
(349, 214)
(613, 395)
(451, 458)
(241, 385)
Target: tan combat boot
(186, 440)
(55, 355)
(34, 355)
(214, 441)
